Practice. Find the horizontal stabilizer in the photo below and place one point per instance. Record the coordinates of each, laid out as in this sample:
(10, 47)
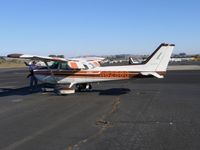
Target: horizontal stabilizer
(155, 74)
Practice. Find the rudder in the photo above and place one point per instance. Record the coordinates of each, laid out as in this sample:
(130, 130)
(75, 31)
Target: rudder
(159, 59)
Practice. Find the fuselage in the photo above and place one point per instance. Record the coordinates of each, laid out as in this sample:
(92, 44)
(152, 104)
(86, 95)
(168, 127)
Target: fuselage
(97, 74)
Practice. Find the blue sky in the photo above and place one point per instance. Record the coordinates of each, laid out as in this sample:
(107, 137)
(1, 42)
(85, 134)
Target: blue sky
(89, 27)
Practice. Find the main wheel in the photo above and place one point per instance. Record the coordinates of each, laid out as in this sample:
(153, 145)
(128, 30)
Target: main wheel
(88, 86)
(83, 87)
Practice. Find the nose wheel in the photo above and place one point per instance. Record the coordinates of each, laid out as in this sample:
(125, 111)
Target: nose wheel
(84, 87)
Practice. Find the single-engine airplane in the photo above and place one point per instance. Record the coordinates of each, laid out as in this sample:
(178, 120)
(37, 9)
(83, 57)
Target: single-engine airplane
(81, 72)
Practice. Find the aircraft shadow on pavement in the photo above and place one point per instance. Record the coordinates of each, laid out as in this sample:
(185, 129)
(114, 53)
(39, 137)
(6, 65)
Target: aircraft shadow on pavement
(19, 91)
(27, 91)
(113, 91)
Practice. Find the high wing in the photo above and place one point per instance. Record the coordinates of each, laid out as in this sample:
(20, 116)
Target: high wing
(83, 59)
(46, 58)
(74, 63)
(87, 62)
(37, 57)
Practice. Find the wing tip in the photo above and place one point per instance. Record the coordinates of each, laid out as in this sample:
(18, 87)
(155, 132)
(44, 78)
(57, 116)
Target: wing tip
(15, 55)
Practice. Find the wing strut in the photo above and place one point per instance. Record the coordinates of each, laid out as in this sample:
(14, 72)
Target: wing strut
(52, 74)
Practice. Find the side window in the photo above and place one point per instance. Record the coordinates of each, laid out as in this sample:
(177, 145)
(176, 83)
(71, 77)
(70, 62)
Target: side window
(92, 66)
(86, 67)
(64, 66)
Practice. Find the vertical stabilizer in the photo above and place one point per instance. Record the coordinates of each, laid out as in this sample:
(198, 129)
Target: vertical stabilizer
(159, 59)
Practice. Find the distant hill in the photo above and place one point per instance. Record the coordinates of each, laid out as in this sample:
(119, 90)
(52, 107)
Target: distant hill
(10, 62)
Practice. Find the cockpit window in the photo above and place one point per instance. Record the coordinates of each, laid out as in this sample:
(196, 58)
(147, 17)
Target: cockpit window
(55, 65)
(64, 66)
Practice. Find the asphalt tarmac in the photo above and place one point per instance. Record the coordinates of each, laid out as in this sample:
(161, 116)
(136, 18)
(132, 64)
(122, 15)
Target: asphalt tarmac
(140, 114)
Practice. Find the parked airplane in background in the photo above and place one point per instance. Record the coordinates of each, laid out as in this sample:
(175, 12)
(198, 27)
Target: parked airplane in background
(80, 72)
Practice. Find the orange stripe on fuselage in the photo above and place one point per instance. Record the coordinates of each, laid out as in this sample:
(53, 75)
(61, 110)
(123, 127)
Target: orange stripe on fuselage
(94, 74)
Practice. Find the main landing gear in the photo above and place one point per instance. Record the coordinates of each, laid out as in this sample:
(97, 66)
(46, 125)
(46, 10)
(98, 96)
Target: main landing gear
(58, 89)
(84, 87)
(65, 90)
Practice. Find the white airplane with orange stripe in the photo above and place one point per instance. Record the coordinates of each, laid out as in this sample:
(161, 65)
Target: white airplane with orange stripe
(81, 72)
